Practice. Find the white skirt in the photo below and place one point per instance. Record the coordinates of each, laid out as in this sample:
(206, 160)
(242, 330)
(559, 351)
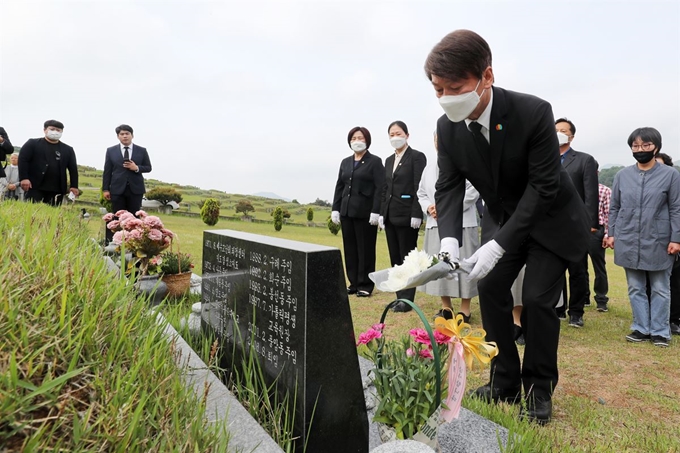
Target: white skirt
(450, 287)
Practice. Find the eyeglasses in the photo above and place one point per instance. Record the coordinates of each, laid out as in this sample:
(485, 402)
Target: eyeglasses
(643, 147)
(57, 155)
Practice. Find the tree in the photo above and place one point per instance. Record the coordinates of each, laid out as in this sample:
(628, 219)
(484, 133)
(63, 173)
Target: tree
(334, 229)
(278, 218)
(164, 195)
(210, 212)
(322, 203)
(310, 214)
(606, 175)
(244, 206)
(295, 201)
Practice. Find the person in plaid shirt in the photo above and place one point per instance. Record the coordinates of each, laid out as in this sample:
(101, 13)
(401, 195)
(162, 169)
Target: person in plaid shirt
(596, 250)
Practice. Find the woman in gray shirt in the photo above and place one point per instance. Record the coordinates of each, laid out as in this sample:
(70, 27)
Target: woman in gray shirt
(644, 231)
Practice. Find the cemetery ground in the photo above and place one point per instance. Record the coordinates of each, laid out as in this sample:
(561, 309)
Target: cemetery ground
(612, 395)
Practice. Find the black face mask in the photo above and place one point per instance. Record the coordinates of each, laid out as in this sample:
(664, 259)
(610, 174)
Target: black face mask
(644, 156)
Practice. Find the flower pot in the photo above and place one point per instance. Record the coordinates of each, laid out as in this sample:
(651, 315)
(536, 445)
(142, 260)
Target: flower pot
(178, 284)
(150, 286)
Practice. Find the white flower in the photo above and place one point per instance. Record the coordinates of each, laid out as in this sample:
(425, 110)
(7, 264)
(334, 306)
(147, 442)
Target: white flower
(419, 259)
(398, 276)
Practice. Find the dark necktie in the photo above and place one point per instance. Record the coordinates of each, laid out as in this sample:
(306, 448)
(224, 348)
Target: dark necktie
(480, 141)
(126, 154)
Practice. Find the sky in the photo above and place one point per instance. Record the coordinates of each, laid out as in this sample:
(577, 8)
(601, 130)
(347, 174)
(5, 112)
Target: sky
(258, 96)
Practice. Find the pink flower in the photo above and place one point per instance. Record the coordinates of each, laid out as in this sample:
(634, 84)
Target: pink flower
(426, 354)
(130, 223)
(153, 221)
(410, 352)
(441, 338)
(368, 336)
(107, 217)
(121, 213)
(379, 327)
(125, 216)
(155, 235)
(168, 232)
(420, 336)
(113, 225)
(141, 214)
(117, 238)
(134, 234)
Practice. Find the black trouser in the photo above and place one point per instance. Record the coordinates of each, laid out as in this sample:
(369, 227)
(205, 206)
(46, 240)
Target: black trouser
(400, 241)
(543, 283)
(597, 257)
(358, 241)
(44, 196)
(578, 287)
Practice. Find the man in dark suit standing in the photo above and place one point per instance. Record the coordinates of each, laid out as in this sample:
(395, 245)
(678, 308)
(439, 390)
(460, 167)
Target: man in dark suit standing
(505, 144)
(124, 165)
(582, 169)
(6, 149)
(43, 163)
(400, 212)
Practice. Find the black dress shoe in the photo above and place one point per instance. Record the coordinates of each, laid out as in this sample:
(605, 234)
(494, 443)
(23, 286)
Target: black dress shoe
(675, 328)
(445, 313)
(362, 293)
(496, 394)
(351, 290)
(401, 307)
(538, 410)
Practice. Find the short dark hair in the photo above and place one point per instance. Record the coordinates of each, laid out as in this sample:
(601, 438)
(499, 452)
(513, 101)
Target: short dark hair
(667, 160)
(459, 55)
(646, 134)
(363, 130)
(124, 127)
(401, 124)
(54, 123)
(571, 125)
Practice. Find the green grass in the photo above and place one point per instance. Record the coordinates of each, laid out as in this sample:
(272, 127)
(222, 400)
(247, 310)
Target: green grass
(84, 366)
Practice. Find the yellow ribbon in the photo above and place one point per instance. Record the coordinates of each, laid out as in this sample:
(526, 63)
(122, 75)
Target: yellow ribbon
(472, 339)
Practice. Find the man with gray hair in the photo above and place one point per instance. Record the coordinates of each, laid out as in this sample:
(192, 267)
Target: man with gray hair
(10, 189)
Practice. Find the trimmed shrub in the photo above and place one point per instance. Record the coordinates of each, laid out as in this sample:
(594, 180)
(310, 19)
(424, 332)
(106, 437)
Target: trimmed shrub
(210, 212)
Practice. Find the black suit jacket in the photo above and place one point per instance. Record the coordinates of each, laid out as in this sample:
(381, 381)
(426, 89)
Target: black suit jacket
(33, 164)
(399, 198)
(527, 193)
(116, 177)
(582, 169)
(6, 148)
(359, 189)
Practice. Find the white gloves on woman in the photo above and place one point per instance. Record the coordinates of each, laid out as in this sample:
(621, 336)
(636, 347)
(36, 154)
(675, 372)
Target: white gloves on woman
(415, 222)
(374, 219)
(335, 217)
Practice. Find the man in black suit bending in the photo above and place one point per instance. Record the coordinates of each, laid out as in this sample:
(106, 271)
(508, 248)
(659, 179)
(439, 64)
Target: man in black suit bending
(505, 144)
(582, 170)
(124, 165)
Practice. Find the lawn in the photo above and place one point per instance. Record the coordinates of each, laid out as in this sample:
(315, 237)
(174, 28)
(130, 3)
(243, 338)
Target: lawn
(612, 395)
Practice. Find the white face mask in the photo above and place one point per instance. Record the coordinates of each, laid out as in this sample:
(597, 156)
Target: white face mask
(53, 135)
(460, 106)
(562, 138)
(358, 146)
(397, 142)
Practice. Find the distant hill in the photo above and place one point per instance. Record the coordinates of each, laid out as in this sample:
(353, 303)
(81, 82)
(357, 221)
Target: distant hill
(272, 196)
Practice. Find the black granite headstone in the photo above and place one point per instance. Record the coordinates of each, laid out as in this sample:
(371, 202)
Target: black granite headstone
(288, 301)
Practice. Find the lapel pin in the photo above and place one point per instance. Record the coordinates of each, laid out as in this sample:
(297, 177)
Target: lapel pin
(499, 127)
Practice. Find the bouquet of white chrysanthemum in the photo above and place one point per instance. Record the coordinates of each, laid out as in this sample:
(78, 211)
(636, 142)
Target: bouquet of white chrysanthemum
(417, 269)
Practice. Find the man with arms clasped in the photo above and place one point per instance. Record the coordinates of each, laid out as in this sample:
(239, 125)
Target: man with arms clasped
(505, 144)
(43, 163)
(125, 162)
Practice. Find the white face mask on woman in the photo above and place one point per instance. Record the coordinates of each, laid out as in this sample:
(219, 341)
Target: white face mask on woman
(397, 142)
(358, 146)
(459, 106)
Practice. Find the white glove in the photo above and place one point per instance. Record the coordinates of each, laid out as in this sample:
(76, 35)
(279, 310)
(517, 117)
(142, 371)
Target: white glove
(450, 247)
(483, 260)
(415, 222)
(335, 217)
(375, 218)
(381, 222)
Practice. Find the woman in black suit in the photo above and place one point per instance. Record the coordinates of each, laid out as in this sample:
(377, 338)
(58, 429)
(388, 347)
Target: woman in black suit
(400, 211)
(356, 206)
